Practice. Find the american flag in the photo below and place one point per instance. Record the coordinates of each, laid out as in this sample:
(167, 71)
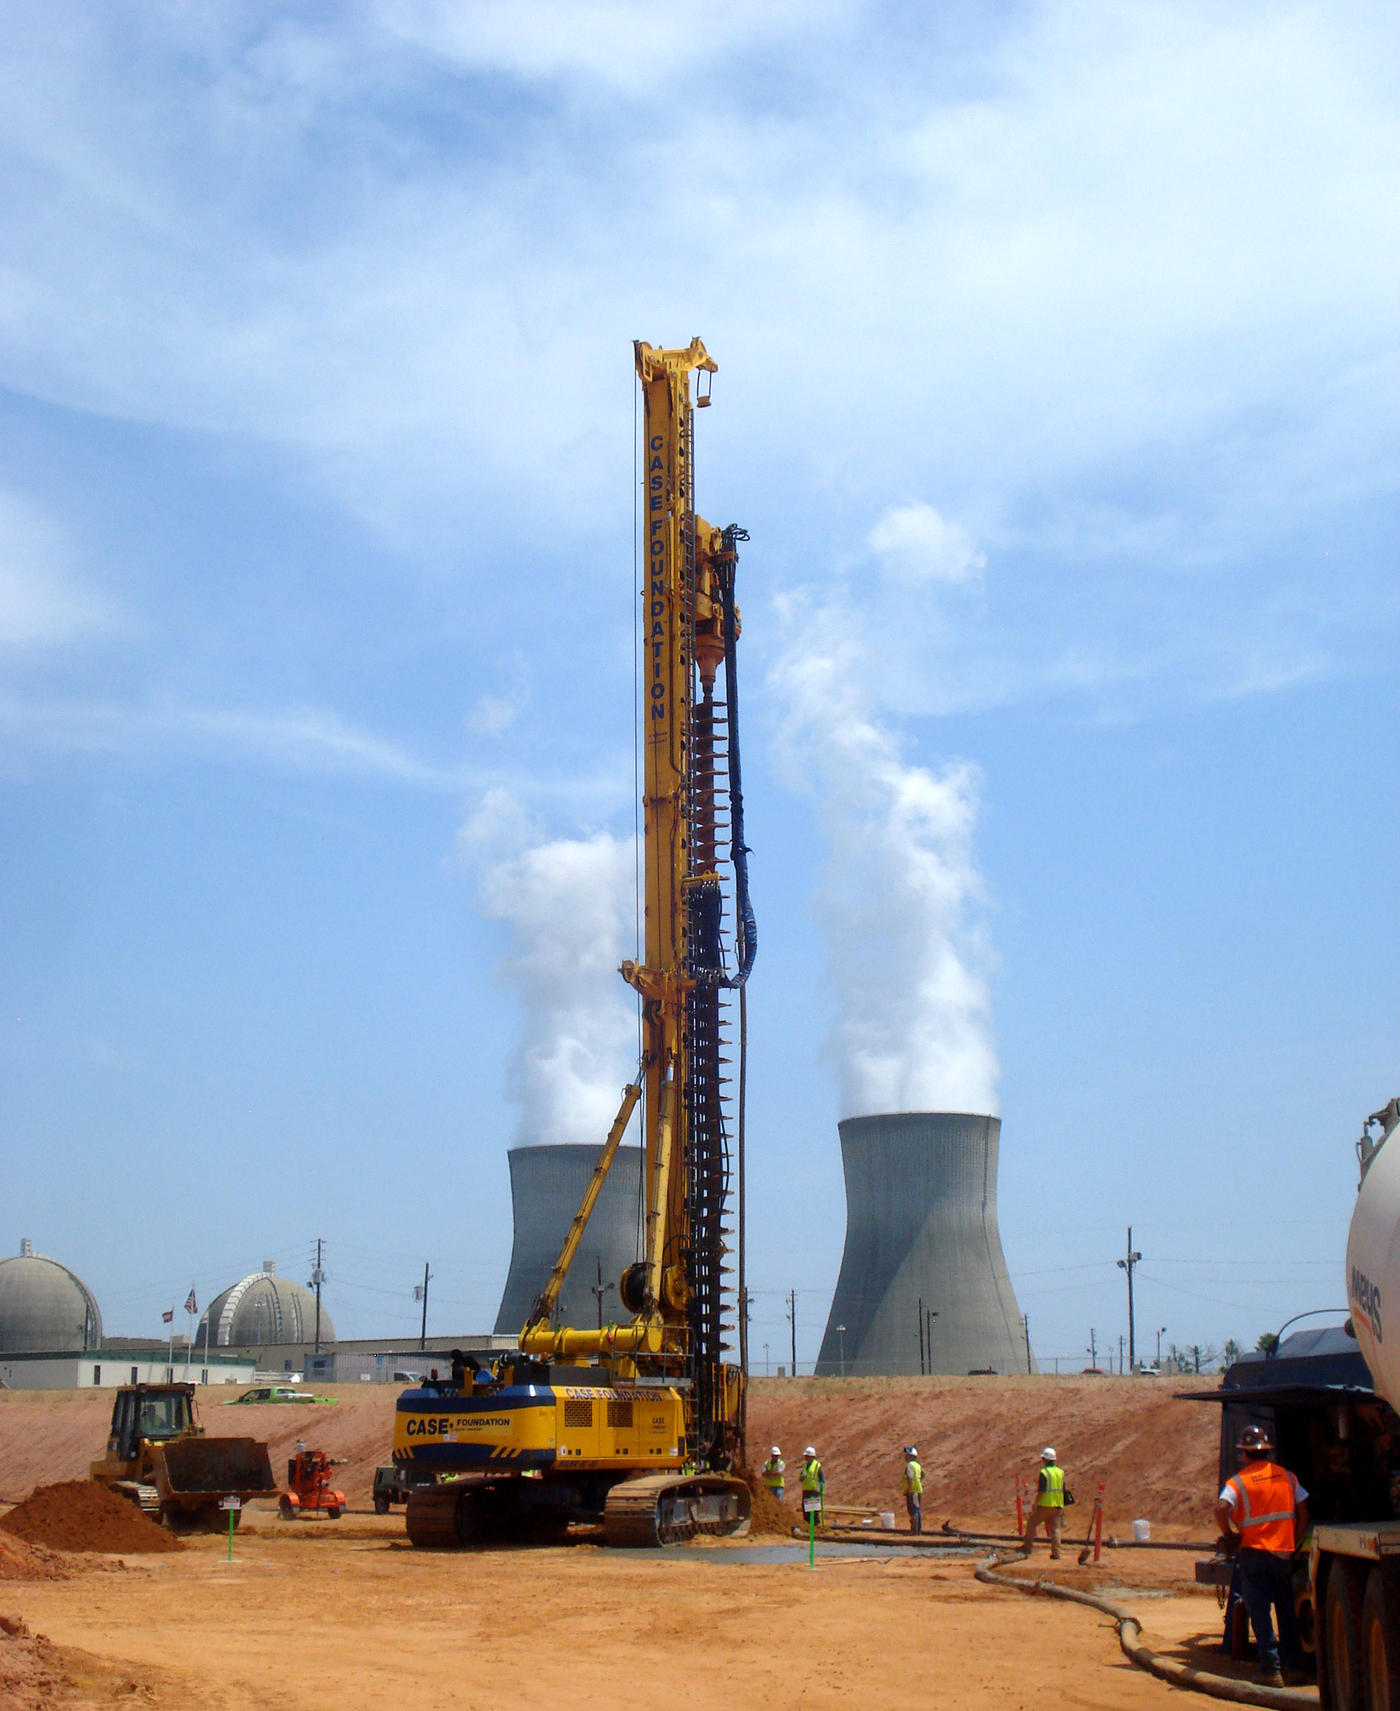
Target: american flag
(168, 1316)
(191, 1305)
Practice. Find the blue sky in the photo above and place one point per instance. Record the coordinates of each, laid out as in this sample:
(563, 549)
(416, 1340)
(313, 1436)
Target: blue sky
(1057, 376)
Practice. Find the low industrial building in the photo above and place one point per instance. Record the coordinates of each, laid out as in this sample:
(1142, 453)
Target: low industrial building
(382, 1360)
(122, 1362)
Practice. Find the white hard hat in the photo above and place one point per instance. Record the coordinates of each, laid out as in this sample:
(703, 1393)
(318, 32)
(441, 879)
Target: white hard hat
(1047, 1454)
(811, 1450)
(776, 1451)
(910, 1450)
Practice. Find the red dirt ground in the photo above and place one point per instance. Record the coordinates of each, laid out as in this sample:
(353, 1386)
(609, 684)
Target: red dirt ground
(444, 1628)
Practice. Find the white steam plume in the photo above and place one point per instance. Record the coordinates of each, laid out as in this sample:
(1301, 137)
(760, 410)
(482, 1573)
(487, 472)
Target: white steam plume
(900, 899)
(568, 904)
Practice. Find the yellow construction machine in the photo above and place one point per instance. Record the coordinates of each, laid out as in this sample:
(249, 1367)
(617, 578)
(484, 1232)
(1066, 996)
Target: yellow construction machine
(639, 1425)
(158, 1457)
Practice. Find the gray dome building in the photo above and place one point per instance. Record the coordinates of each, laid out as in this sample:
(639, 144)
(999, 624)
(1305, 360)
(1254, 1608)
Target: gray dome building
(546, 1185)
(44, 1307)
(262, 1309)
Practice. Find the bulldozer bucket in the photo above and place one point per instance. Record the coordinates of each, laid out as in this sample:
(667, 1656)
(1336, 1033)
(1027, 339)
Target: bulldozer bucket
(193, 1467)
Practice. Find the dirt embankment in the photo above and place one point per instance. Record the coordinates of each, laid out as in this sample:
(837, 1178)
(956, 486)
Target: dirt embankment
(1156, 1455)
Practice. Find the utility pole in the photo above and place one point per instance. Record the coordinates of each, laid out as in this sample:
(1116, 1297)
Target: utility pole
(1026, 1327)
(930, 1314)
(792, 1320)
(1127, 1265)
(921, 1337)
(420, 1293)
(318, 1277)
(1093, 1348)
(600, 1288)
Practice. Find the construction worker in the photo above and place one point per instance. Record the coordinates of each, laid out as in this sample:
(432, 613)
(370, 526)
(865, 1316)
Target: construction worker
(775, 1473)
(813, 1480)
(914, 1489)
(1049, 1506)
(1266, 1508)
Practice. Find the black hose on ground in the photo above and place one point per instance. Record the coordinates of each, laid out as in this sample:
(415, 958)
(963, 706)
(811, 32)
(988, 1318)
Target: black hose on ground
(967, 1536)
(1166, 1669)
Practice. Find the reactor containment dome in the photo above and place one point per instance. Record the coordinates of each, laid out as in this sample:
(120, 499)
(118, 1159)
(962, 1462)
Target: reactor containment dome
(44, 1307)
(923, 1284)
(546, 1186)
(262, 1309)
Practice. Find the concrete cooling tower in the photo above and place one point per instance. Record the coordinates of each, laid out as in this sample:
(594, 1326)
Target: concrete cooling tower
(546, 1186)
(921, 1227)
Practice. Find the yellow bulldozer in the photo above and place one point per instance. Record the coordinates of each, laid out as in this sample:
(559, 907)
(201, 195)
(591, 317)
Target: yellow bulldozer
(158, 1457)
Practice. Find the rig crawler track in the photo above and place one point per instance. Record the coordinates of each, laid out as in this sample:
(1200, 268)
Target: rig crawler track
(669, 1509)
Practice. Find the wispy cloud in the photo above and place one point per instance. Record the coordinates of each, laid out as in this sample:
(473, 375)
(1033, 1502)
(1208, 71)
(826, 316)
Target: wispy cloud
(616, 44)
(1074, 222)
(1085, 271)
(305, 739)
(44, 603)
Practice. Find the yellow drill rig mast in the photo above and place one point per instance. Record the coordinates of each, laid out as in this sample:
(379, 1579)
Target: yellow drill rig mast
(639, 1424)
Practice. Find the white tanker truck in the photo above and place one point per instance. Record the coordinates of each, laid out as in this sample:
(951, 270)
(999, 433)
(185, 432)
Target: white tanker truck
(1354, 1570)
(1331, 1403)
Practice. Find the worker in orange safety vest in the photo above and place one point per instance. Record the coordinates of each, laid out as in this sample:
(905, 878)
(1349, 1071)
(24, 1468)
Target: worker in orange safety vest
(1265, 1506)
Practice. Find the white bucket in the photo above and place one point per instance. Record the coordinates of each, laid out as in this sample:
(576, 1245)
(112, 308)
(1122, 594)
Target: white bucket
(887, 1520)
(1142, 1532)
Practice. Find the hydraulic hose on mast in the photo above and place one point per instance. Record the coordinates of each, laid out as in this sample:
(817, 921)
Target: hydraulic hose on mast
(738, 849)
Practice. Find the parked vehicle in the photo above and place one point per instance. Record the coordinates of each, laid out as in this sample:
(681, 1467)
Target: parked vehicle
(393, 1484)
(1328, 1401)
(277, 1393)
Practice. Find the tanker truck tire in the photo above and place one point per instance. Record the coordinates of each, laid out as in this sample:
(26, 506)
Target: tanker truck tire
(1340, 1675)
(1380, 1642)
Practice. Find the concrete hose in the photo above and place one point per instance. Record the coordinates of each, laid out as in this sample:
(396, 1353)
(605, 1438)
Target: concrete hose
(1166, 1669)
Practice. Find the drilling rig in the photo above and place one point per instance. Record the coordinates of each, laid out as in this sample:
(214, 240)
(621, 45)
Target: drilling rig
(640, 1425)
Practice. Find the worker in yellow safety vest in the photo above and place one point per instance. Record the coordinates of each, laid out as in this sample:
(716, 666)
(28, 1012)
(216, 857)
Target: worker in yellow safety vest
(813, 1480)
(1048, 1510)
(1268, 1509)
(775, 1473)
(914, 1489)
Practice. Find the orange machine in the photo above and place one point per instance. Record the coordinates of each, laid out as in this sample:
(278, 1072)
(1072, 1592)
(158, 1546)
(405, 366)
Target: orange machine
(309, 1489)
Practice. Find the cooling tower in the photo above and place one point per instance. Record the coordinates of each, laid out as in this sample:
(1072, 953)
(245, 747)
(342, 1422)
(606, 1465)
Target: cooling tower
(921, 1227)
(546, 1186)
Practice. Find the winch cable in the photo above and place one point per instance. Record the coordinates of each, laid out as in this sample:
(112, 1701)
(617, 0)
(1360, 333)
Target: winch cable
(1166, 1669)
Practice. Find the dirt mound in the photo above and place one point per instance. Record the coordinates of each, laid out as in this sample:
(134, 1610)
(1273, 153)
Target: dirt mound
(31, 1676)
(19, 1561)
(81, 1515)
(769, 1516)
